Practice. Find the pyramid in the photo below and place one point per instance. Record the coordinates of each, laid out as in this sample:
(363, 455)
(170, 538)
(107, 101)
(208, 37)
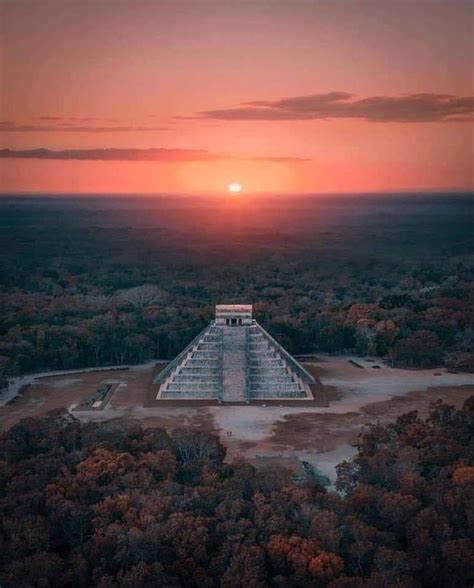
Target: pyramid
(234, 360)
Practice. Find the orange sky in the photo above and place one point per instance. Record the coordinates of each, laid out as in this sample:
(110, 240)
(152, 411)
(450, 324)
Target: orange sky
(345, 95)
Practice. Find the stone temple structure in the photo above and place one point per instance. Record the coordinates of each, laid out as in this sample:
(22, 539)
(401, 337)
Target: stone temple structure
(234, 360)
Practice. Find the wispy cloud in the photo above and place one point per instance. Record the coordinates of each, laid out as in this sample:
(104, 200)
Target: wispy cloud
(157, 154)
(407, 108)
(76, 119)
(72, 127)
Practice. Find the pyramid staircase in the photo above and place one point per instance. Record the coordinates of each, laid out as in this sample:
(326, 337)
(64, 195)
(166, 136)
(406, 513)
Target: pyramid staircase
(234, 364)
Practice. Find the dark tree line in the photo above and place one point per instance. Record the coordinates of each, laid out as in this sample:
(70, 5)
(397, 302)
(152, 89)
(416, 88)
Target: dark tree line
(113, 282)
(114, 505)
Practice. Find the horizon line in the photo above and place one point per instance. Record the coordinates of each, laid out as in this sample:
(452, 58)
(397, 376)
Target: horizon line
(189, 193)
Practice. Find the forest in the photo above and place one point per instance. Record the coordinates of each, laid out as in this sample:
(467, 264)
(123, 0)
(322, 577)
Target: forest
(122, 280)
(117, 506)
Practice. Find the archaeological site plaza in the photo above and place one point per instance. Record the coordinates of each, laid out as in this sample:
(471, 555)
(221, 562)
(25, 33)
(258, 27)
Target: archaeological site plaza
(234, 360)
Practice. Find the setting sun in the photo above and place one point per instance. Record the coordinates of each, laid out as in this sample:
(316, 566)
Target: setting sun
(235, 187)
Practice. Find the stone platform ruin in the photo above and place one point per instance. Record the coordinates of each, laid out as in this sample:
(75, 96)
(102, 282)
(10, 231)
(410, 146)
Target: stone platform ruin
(234, 360)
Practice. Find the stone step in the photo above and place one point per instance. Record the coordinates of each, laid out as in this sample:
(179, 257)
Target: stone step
(190, 387)
(196, 394)
(200, 369)
(266, 382)
(277, 394)
(234, 363)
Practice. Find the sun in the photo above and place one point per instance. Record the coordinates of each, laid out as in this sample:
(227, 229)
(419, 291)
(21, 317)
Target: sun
(235, 187)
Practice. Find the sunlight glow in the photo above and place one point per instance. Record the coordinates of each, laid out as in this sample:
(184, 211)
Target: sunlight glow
(234, 187)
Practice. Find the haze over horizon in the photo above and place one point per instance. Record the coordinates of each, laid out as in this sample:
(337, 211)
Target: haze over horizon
(285, 97)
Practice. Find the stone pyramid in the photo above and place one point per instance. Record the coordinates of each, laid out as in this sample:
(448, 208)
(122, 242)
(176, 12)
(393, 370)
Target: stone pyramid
(234, 360)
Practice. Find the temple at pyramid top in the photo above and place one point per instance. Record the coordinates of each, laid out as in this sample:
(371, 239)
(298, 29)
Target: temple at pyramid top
(233, 314)
(234, 360)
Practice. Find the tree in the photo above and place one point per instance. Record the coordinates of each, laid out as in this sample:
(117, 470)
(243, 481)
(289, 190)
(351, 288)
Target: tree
(325, 567)
(421, 348)
(142, 296)
(113, 505)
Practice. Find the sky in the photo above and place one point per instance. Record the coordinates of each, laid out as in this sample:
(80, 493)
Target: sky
(282, 96)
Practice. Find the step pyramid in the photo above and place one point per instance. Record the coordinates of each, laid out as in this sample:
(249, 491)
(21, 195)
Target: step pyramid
(234, 360)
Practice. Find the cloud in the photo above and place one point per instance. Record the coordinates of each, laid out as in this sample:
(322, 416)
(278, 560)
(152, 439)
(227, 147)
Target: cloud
(84, 118)
(158, 154)
(78, 119)
(72, 127)
(408, 108)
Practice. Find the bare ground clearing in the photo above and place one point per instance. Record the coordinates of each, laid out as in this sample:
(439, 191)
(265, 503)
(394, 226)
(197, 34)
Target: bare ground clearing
(319, 432)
